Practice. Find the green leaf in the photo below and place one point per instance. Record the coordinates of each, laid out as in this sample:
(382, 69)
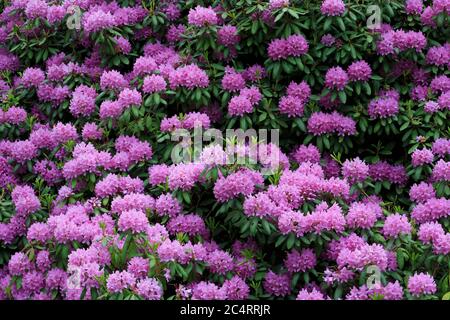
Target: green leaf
(187, 197)
(280, 240)
(376, 77)
(327, 24)
(290, 242)
(341, 23)
(400, 260)
(338, 292)
(342, 96)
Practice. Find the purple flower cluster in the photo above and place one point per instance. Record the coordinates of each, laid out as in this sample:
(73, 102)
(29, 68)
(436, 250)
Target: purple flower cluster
(336, 78)
(320, 123)
(243, 103)
(189, 76)
(395, 225)
(308, 153)
(359, 71)
(383, 171)
(421, 157)
(391, 291)
(439, 56)
(332, 7)
(421, 283)
(232, 81)
(293, 46)
(94, 203)
(189, 121)
(414, 7)
(228, 36)
(200, 17)
(14, 116)
(239, 183)
(83, 101)
(294, 102)
(355, 170)
(385, 105)
(400, 40)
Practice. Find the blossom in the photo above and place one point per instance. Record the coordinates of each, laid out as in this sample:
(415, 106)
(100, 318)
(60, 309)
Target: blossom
(228, 35)
(190, 224)
(277, 284)
(366, 255)
(19, 264)
(149, 289)
(83, 101)
(200, 16)
(386, 105)
(293, 46)
(129, 97)
(308, 153)
(395, 225)
(336, 78)
(254, 73)
(392, 291)
(233, 81)
(91, 132)
(154, 83)
(119, 281)
(427, 17)
(421, 283)
(300, 261)
(220, 262)
(112, 80)
(359, 71)
(175, 33)
(320, 123)
(236, 289)
(239, 183)
(278, 4)
(383, 171)
(144, 65)
(421, 157)
(95, 205)
(36, 8)
(96, 20)
(438, 56)
(422, 192)
(184, 176)
(361, 215)
(32, 77)
(328, 40)
(332, 7)
(291, 106)
(414, 6)
(431, 210)
(25, 200)
(207, 291)
(133, 220)
(355, 170)
(239, 105)
(430, 232)
(122, 45)
(189, 76)
(314, 294)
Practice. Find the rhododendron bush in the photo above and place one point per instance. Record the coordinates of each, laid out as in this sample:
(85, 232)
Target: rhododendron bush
(348, 200)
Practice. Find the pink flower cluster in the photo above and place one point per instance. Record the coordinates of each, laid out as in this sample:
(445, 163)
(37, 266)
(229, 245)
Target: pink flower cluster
(92, 189)
(386, 105)
(320, 123)
(294, 102)
(293, 46)
(400, 40)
